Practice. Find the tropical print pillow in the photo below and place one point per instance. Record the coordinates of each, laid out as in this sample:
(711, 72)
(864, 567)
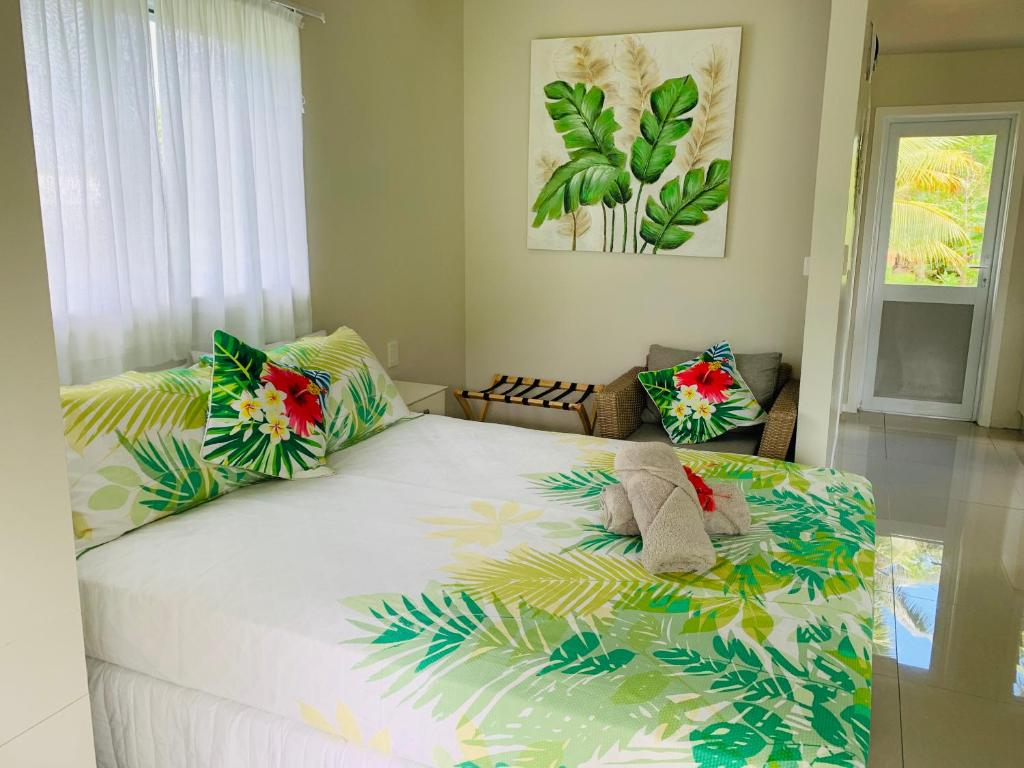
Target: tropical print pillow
(702, 398)
(264, 416)
(363, 400)
(133, 444)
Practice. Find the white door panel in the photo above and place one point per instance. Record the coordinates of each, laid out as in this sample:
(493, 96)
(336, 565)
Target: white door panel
(941, 208)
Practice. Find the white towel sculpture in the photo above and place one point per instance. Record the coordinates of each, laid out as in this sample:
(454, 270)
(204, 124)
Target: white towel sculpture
(651, 470)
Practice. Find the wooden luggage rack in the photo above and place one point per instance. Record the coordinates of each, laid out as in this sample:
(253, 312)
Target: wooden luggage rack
(539, 393)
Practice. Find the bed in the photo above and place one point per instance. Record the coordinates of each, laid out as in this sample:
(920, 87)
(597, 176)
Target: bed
(448, 599)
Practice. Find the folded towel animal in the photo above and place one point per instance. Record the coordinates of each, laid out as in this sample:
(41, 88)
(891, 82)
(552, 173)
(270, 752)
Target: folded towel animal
(617, 512)
(725, 508)
(666, 508)
(731, 514)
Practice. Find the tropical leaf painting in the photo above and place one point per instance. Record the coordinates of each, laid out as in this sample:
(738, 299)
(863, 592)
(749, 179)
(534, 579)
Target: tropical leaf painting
(587, 60)
(631, 136)
(574, 224)
(712, 116)
(641, 74)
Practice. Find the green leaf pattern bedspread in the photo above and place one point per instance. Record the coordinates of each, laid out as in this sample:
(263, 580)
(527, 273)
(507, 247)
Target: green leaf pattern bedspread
(451, 599)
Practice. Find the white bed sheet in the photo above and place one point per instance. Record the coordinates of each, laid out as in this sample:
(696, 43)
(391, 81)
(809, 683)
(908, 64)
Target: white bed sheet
(285, 598)
(242, 597)
(142, 722)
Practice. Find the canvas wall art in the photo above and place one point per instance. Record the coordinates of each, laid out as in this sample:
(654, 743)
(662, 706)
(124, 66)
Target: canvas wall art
(631, 142)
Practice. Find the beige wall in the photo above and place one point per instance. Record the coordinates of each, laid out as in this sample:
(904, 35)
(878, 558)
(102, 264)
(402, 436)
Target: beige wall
(590, 316)
(44, 712)
(384, 189)
(965, 77)
(972, 77)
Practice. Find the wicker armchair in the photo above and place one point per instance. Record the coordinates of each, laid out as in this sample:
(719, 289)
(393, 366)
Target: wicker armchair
(620, 404)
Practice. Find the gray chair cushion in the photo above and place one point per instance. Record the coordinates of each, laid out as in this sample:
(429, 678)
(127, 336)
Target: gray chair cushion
(737, 441)
(759, 370)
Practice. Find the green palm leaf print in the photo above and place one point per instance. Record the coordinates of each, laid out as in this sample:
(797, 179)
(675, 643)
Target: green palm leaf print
(134, 403)
(580, 487)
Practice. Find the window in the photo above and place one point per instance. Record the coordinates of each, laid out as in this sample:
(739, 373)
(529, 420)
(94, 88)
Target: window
(171, 185)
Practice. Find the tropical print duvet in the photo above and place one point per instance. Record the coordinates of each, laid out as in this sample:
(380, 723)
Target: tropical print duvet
(448, 597)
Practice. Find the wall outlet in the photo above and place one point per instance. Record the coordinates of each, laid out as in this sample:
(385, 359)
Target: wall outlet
(392, 354)
(807, 266)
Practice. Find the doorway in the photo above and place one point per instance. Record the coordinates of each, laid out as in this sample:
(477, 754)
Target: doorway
(940, 204)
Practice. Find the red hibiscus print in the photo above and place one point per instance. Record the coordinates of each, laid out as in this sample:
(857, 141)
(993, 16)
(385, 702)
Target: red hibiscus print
(711, 380)
(302, 404)
(704, 495)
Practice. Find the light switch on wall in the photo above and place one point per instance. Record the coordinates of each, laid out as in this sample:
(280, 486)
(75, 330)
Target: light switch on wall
(392, 354)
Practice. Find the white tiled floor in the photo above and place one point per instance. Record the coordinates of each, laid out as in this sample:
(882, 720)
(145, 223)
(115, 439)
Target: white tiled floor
(949, 661)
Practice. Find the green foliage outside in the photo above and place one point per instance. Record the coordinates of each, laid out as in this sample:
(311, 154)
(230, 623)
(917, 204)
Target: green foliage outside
(939, 209)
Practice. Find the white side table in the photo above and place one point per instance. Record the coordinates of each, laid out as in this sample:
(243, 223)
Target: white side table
(423, 398)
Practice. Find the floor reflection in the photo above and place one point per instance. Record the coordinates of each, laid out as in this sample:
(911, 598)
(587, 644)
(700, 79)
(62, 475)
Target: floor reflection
(916, 566)
(906, 598)
(949, 591)
(1018, 684)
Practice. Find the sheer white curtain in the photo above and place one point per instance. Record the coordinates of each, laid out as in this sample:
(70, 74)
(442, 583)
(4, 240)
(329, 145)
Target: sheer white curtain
(231, 106)
(170, 175)
(119, 278)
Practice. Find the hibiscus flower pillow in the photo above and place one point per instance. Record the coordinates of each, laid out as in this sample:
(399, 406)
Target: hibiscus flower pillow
(702, 398)
(265, 416)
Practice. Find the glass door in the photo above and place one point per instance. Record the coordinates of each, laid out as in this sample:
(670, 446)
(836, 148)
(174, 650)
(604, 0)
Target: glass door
(941, 207)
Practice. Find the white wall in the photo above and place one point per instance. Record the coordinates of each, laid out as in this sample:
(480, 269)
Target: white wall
(589, 316)
(384, 186)
(829, 290)
(44, 710)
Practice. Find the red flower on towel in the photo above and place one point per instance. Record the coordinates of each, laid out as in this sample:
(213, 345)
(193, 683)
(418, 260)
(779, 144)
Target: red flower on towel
(704, 495)
(710, 379)
(302, 404)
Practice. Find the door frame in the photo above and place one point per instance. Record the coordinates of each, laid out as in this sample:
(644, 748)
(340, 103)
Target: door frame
(1003, 250)
(981, 295)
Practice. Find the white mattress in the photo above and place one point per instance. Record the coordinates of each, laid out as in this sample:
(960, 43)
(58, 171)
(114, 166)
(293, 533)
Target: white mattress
(242, 597)
(142, 722)
(447, 599)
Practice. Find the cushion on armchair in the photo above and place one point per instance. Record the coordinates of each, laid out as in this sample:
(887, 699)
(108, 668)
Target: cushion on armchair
(703, 398)
(759, 370)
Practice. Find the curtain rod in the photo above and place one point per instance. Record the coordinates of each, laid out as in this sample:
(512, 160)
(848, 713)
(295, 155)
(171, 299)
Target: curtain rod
(318, 15)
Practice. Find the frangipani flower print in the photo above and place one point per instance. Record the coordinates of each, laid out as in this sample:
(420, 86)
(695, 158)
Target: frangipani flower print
(249, 407)
(276, 428)
(271, 399)
(264, 415)
(703, 398)
(704, 409)
(688, 394)
(250, 413)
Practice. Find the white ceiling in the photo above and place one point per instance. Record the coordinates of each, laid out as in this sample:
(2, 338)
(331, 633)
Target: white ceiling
(914, 26)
